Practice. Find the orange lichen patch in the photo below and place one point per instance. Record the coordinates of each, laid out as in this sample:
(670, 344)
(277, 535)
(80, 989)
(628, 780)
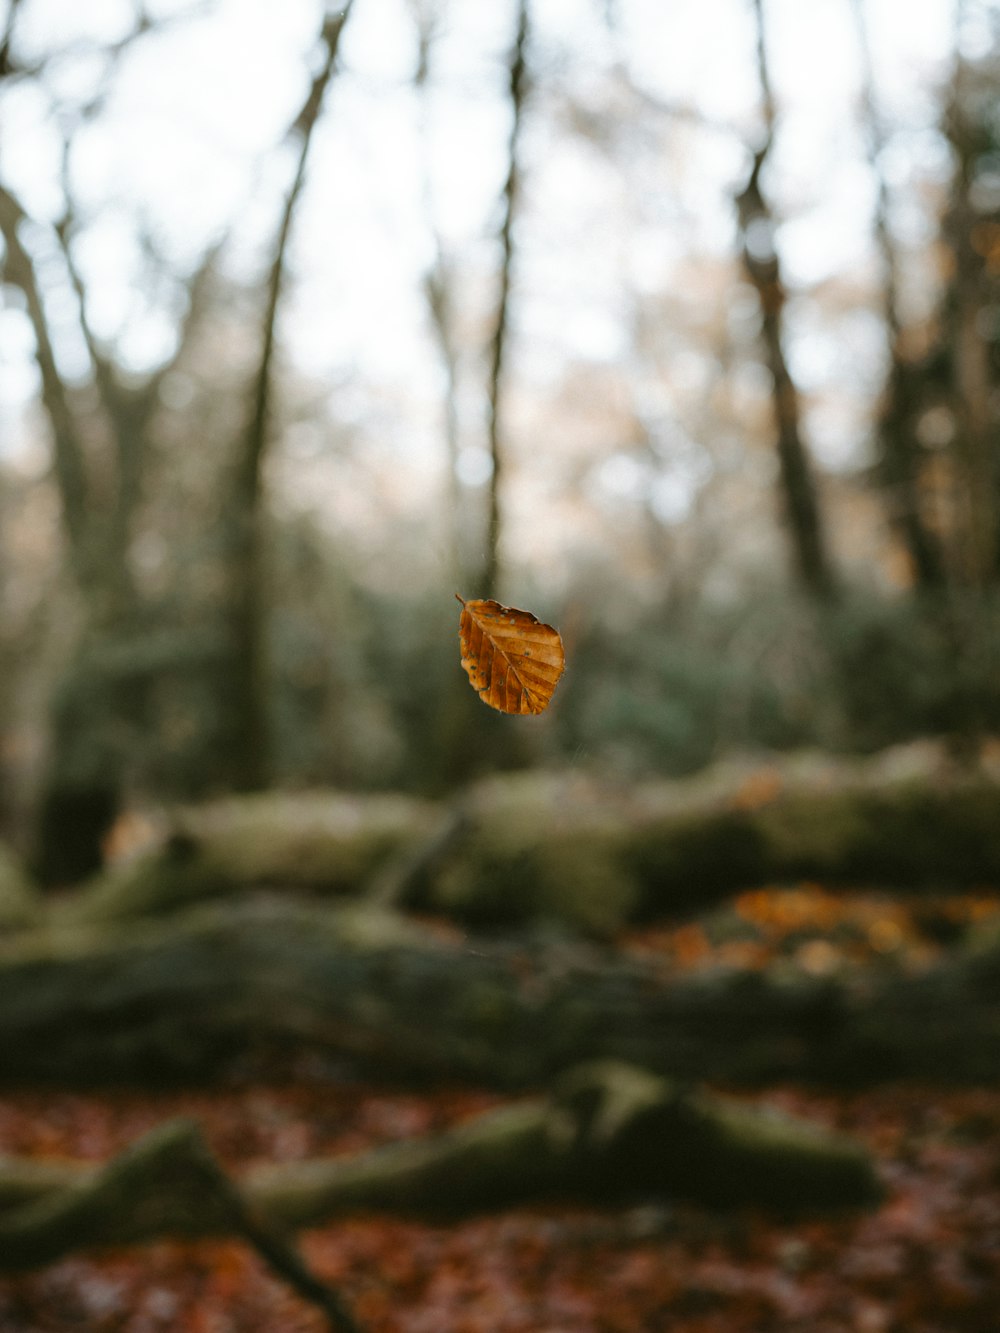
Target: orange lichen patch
(513, 660)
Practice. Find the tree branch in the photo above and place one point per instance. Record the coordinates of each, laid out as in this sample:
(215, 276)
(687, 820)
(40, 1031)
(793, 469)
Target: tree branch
(143, 25)
(608, 1132)
(302, 128)
(6, 67)
(167, 1183)
(70, 464)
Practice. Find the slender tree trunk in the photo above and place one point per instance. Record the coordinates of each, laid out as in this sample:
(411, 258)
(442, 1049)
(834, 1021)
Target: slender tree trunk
(899, 461)
(245, 687)
(517, 86)
(972, 382)
(439, 292)
(803, 515)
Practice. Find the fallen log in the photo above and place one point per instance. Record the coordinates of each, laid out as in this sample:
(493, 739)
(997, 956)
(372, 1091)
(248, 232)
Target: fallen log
(321, 842)
(550, 847)
(168, 1183)
(609, 1133)
(184, 996)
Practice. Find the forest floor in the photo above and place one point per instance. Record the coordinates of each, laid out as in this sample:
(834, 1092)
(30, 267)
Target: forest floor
(926, 1261)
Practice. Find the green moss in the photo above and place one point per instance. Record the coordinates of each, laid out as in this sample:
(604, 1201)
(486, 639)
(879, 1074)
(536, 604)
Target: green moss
(745, 1154)
(909, 833)
(812, 834)
(153, 884)
(316, 840)
(19, 902)
(535, 853)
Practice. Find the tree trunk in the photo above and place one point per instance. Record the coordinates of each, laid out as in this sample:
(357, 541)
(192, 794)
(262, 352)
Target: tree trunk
(973, 376)
(803, 515)
(243, 692)
(516, 83)
(900, 455)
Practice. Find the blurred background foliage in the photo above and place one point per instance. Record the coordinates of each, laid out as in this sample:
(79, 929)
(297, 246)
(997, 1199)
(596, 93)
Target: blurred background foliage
(679, 325)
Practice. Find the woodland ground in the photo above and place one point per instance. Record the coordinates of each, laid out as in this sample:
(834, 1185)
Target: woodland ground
(926, 1261)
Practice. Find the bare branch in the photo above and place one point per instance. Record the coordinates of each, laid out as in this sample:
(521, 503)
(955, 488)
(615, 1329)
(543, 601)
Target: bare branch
(107, 385)
(5, 40)
(168, 1181)
(70, 465)
(34, 70)
(198, 304)
(302, 128)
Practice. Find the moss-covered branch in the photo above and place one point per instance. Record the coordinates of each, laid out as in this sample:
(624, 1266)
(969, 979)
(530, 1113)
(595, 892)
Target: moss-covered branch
(168, 1183)
(609, 1133)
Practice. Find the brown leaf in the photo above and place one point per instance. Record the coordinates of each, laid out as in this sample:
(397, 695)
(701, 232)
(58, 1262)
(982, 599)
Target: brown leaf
(512, 659)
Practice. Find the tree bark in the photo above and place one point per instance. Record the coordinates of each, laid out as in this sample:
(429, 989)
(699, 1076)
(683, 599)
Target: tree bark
(517, 87)
(244, 695)
(803, 515)
(900, 455)
(185, 997)
(439, 287)
(973, 372)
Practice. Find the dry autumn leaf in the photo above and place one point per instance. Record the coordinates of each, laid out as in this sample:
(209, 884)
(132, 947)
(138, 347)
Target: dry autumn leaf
(513, 661)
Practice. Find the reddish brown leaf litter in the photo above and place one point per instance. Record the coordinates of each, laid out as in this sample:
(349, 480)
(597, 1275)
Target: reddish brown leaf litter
(245, 1125)
(819, 930)
(928, 1261)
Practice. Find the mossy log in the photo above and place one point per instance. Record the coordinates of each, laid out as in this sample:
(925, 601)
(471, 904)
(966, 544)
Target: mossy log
(541, 846)
(609, 1133)
(185, 995)
(544, 847)
(327, 843)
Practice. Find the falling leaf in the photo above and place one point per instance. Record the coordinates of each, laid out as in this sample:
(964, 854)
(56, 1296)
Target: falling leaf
(512, 659)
